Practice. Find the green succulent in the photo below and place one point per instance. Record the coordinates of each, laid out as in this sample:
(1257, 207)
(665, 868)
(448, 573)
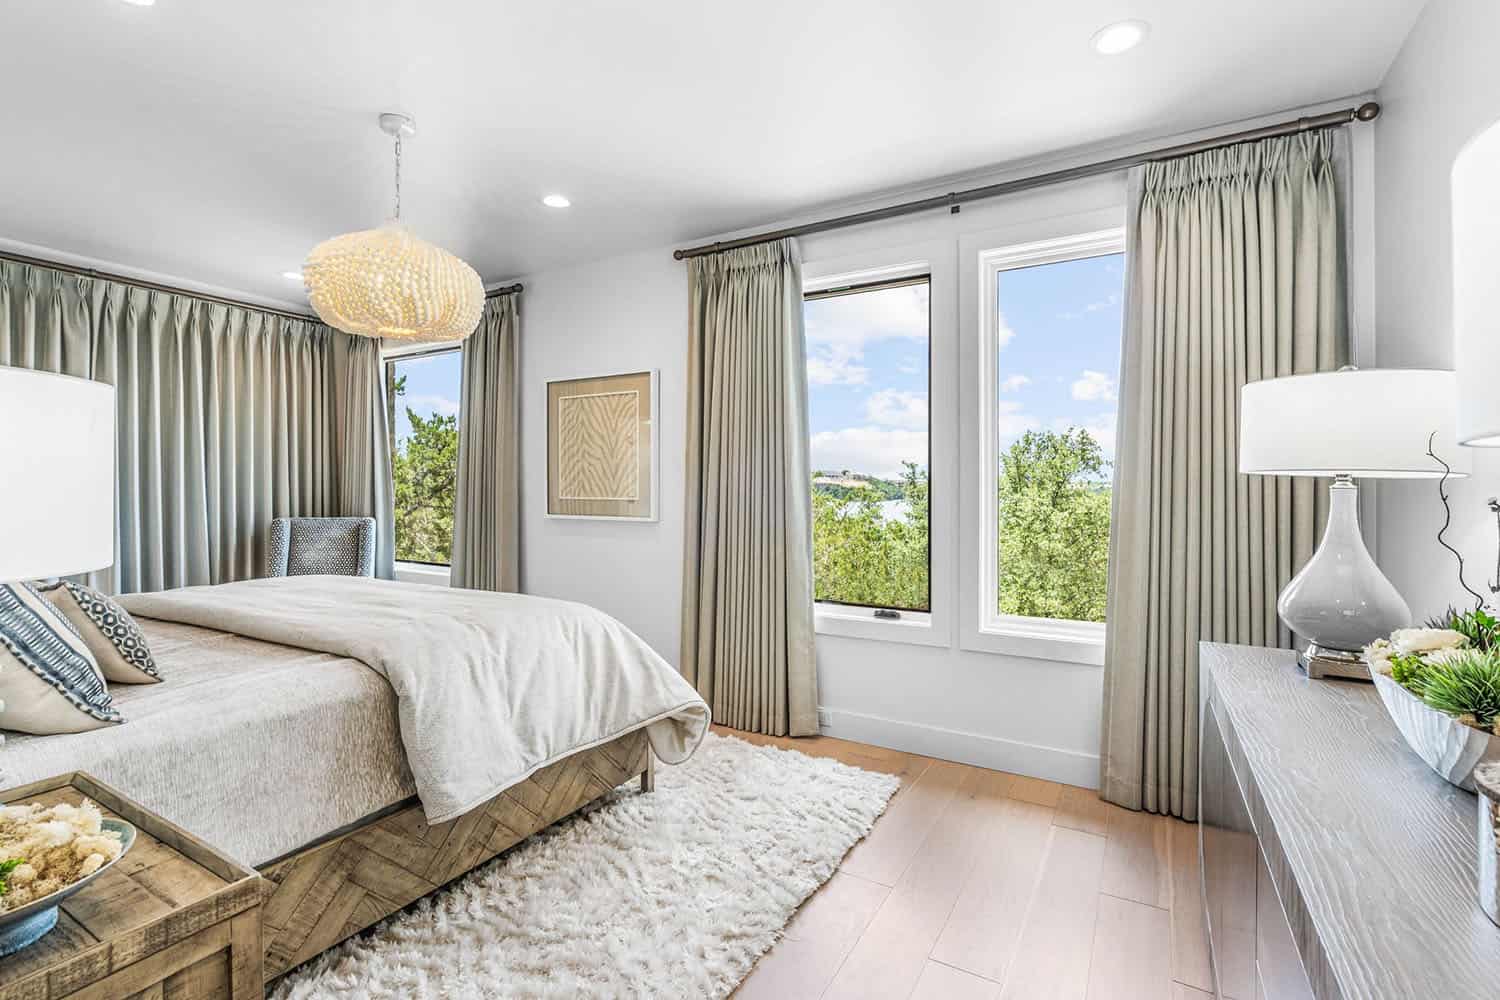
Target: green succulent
(1465, 685)
(1411, 672)
(6, 867)
(1477, 625)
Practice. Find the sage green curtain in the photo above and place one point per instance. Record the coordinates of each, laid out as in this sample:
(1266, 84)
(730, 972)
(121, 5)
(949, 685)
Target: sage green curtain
(1236, 273)
(747, 611)
(362, 443)
(225, 417)
(487, 504)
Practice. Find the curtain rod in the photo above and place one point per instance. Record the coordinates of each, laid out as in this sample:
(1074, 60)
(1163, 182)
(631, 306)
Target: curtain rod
(89, 272)
(1364, 113)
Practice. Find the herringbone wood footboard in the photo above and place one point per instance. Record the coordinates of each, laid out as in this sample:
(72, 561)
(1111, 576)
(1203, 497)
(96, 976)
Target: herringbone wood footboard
(321, 895)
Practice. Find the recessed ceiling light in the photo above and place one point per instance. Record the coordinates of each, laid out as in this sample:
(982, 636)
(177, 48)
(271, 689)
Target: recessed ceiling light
(292, 275)
(556, 201)
(140, 3)
(1122, 36)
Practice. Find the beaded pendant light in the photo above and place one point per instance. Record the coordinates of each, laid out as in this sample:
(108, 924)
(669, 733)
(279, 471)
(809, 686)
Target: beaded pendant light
(388, 283)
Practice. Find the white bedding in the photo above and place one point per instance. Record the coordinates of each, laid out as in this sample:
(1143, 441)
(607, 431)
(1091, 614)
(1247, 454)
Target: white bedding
(490, 687)
(257, 748)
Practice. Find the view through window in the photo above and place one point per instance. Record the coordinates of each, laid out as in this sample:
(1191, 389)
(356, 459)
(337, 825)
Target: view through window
(867, 374)
(1058, 343)
(422, 394)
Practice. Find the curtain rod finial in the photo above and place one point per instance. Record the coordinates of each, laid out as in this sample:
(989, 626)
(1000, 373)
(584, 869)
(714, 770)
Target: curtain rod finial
(1367, 112)
(678, 255)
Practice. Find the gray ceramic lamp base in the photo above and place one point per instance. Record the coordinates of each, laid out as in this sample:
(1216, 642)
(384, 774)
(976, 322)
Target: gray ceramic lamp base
(1341, 602)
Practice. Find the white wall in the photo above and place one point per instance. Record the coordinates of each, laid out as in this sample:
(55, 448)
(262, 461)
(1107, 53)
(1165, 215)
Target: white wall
(619, 315)
(629, 313)
(1442, 89)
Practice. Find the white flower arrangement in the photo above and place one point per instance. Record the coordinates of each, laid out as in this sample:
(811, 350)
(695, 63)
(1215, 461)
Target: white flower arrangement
(1453, 665)
(47, 848)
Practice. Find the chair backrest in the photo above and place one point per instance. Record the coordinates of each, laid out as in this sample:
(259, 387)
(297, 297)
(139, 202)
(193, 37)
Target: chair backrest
(301, 546)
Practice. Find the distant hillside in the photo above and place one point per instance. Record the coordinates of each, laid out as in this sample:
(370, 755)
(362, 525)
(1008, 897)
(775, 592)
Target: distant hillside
(842, 485)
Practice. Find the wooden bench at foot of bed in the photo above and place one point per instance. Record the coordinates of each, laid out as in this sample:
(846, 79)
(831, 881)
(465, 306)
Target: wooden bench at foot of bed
(320, 895)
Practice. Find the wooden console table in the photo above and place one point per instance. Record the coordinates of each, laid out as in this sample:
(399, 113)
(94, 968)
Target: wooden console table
(1336, 864)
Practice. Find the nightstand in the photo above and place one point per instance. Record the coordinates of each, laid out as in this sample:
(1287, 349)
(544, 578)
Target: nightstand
(172, 918)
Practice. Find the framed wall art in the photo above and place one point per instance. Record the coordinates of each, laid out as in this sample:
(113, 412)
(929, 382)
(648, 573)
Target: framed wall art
(602, 447)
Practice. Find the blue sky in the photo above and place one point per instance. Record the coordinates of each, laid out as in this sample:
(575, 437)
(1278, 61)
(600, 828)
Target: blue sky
(1058, 364)
(432, 386)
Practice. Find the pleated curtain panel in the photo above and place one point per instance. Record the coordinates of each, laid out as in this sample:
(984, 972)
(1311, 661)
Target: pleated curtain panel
(226, 418)
(486, 514)
(1236, 274)
(747, 616)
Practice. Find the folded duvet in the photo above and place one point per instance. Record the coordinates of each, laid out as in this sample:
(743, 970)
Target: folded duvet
(489, 687)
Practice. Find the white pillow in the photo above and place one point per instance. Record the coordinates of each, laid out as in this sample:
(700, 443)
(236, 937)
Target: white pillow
(49, 681)
(117, 642)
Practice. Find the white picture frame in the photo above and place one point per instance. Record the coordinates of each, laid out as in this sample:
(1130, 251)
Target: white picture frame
(648, 466)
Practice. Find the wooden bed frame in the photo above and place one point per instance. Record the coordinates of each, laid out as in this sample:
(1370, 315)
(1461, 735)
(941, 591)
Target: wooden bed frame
(321, 894)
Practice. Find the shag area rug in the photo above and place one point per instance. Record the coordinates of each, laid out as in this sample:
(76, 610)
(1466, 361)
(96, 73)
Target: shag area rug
(672, 894)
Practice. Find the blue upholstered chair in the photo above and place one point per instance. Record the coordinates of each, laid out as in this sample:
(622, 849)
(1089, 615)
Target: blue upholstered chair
(300, 546)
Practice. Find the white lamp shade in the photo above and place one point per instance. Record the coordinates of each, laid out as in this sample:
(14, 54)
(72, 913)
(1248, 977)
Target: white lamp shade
(57, 475)
(1476, 289)
(1372, 423)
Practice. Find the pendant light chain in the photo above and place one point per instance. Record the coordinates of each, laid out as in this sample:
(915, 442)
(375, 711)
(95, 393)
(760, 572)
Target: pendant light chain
(398, 176)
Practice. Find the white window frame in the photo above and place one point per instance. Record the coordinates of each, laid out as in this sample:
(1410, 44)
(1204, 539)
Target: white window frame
(934, 259)
(983, 628)
(409, 572)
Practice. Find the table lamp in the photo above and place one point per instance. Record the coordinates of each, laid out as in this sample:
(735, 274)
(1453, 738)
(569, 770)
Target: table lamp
(57, 475)
(1348, 424)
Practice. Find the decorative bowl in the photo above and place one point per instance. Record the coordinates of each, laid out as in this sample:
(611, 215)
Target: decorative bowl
(25, 924)
(1449, 747)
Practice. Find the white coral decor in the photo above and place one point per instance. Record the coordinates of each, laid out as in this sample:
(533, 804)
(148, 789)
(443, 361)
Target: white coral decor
(58, 845)
(1408, 641)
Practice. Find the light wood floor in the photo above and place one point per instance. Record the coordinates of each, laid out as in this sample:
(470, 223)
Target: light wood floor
(981, 885)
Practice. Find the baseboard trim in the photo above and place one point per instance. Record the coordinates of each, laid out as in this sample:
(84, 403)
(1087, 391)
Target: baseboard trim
(1067, 766)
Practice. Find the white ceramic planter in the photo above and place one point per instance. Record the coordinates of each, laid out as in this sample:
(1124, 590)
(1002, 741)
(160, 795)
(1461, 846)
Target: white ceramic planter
(1449, 747)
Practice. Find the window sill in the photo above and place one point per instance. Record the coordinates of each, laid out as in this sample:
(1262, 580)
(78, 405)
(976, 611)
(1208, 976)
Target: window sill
(860, 623)
(438, 576)
(1041, 639)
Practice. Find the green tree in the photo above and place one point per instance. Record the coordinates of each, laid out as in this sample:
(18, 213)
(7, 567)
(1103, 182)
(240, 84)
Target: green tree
(424, 469)
(859, 556)
(1054, 500)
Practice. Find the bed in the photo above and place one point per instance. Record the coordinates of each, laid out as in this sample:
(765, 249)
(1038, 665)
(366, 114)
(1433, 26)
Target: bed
(269, 740)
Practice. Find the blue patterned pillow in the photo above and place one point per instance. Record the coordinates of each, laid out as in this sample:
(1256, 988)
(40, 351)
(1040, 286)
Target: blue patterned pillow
(117, 642)
(49, 681)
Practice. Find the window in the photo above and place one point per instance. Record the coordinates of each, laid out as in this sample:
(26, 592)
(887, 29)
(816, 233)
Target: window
(1053, 316)
(422, 394)
(867, 372)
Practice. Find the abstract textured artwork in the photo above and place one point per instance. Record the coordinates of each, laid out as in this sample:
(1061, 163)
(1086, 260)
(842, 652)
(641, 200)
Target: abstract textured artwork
(600, 457)
(601, 448)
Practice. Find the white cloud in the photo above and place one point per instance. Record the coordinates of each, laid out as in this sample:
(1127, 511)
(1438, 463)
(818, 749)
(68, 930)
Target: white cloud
(1100, 428)
(1011, 422)
(836, 366)
(874, 451)
(839, 329)
(1109, 302)
(897, 408)
(1014, 382)
(431, 404)
(1094, 386)
(856, 320)
(1003, 332)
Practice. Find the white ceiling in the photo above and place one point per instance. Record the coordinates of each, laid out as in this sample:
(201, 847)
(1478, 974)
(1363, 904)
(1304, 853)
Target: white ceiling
(217, 141)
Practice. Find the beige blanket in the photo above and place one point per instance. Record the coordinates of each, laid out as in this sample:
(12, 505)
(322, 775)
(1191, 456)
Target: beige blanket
(490, 687)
